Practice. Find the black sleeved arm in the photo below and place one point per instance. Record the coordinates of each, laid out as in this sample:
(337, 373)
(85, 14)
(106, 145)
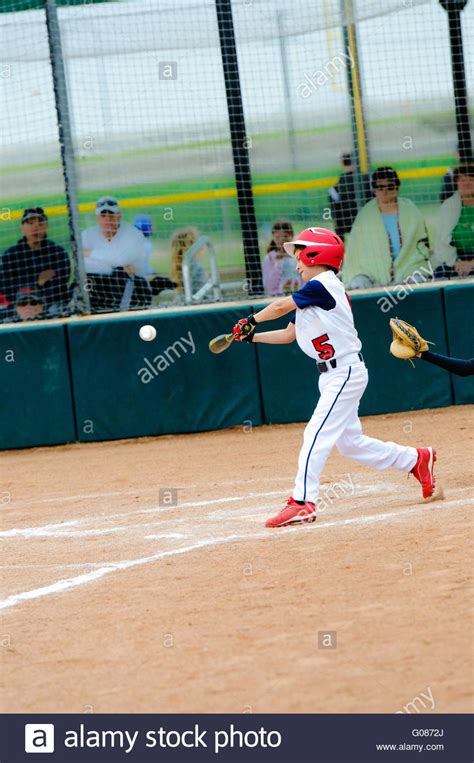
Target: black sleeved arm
(456, 366)
(57, 288)
(10, 269)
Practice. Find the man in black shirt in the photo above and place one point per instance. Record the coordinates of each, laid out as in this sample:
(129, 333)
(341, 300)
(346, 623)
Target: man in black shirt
(38, 263)
(343, 196)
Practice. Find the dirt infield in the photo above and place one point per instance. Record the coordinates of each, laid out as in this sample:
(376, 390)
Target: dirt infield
(117, 600)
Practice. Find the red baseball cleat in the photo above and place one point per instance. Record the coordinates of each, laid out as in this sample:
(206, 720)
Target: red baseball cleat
(292, 513)
(424, 470)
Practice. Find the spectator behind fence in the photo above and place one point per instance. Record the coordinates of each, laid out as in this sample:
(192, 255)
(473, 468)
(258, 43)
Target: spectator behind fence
(454, 234)
(279, 269)
(343, 196)
(29, 305)
(115, 260)
(388, 242)
(37, 262)
(144, 224)
(181, 241)
(448, 187)
(159, 283)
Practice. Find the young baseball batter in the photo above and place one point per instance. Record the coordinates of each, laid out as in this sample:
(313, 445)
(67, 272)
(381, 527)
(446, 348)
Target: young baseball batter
(324, 329)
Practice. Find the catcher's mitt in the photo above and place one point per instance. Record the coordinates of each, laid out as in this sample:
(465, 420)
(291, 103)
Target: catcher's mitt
(407, 342)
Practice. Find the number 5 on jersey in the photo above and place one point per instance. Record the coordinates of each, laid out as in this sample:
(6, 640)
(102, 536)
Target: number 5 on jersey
(324, 349)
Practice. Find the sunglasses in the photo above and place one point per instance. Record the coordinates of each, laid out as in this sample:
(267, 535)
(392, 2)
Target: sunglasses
(388, 187)
(286, 228)
(32, 302)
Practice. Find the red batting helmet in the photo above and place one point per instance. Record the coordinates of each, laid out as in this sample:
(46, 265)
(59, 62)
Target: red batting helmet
(321, 247)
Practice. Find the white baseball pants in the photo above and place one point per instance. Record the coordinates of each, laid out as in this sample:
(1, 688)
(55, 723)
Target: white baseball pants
(335, 421)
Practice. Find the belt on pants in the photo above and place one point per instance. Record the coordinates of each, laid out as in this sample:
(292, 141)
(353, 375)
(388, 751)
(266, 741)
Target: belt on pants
(330, 364)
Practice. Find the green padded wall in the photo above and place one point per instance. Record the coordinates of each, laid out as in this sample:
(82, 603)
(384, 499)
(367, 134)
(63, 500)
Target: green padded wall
(191, 391)
(289, 378)
(117, 394)
(37, 404)
(394, 385)
(459, 304)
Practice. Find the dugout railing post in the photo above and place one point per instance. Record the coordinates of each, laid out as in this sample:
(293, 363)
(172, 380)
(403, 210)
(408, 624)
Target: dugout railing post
(453, 8)
(67, 151)
(240, 154)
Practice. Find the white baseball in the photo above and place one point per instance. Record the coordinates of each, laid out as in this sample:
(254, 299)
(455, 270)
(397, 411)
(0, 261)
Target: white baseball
(147, 333)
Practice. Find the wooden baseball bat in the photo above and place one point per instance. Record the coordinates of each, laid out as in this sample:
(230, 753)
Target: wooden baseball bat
(220, 343)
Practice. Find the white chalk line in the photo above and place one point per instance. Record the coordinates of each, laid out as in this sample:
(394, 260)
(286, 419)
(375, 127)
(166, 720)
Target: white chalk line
(29, 532)
(433, 505)
(88, 577)
(142, 491)
(49, 530)
(370, 518)
(61, 529)
(232, 516)
(63, 585)
(220, 516)
(48, 533)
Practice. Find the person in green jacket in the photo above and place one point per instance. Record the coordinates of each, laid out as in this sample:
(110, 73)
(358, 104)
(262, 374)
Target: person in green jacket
(454, 237)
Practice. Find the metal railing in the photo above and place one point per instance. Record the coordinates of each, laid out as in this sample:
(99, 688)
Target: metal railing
(212, 285)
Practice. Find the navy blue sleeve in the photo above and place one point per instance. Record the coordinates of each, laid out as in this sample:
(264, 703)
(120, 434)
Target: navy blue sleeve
(314, 293)
(454, 365)
(293, 318)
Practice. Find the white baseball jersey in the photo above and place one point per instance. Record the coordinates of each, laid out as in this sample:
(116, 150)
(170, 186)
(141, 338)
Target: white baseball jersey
(324, 322)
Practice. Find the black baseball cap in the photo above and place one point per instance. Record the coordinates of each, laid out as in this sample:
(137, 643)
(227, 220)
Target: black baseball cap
(34, 212)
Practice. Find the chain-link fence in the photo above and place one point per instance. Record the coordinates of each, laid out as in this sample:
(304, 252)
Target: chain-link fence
(160, 153)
